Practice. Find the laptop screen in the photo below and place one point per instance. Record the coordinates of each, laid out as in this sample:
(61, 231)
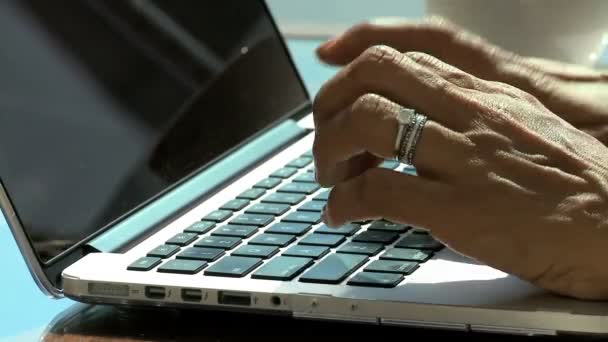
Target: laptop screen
(105, 104)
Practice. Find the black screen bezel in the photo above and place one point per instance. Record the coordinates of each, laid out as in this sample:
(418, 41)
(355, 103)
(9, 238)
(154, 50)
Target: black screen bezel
(52, 268)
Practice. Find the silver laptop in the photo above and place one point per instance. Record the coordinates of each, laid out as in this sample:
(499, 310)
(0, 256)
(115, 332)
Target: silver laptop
(158, 152)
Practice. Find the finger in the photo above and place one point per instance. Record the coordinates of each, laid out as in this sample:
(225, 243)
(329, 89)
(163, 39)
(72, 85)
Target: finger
(384, 71)
(370, 126)
(381, 193)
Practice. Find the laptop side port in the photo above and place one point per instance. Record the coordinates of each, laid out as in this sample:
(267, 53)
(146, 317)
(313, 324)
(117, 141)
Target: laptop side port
(155, 292)
(192, 295)
(234, 298)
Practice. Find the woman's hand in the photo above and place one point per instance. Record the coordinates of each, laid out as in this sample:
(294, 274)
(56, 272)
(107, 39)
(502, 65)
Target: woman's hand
(501, 178)
(577, 94)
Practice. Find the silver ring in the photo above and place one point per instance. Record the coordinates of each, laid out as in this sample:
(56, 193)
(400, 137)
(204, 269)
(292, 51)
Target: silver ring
(405, 118)
(408, 137)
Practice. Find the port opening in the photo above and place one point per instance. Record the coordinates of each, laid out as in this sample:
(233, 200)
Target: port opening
(234, 298)
(155, 292)
(275, 300)
(192, 295)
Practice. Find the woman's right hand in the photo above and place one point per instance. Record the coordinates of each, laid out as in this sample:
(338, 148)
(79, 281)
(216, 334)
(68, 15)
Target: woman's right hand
(577, 94)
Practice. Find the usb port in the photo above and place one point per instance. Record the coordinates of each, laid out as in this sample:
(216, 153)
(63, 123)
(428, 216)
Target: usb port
(155, 292)
(190, 295)
(234, 298)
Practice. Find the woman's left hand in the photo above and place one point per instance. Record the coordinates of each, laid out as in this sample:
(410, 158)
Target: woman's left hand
(501, 178)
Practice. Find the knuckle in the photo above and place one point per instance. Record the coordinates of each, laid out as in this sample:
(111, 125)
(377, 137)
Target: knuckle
(441, 25)
(374, 58)
(368, 103)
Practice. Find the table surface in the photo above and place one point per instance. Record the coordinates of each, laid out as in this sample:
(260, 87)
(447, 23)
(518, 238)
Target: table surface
(26, 314)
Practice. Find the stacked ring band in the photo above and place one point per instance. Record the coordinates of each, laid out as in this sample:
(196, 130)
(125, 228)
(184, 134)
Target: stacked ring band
(410, 128)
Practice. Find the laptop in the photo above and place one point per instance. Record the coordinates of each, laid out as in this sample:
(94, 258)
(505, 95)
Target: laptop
(158, 153)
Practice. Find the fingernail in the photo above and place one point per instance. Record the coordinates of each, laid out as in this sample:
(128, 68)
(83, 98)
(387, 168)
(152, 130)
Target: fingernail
(325, 47)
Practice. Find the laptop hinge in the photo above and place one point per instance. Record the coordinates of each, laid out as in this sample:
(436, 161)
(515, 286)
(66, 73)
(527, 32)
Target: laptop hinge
(144, 222)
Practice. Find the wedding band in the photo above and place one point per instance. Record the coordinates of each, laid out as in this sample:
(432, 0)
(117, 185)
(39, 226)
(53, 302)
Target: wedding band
(404, 118)
(408, 135)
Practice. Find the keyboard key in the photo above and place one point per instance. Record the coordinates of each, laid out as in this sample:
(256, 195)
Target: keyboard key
(300, 162)
(268, 183)
(235, 204)
(289, 228)
(272, 240)
(252, 219)
(306, 177)
(311, 169)
(252, 194)
(282, 268)
(200, 227)
(308, 154)
(312, 206)
(218, 216)
(324, 196)
(163, 251)
(406, 254)
(201, 253)
(182, 266)
(369, 249)
(388, 226)
(329, 240)
(233, 266)
(392, 266)
(182, 239)
(235, 230)
(303, 217)
(263, 252)
(224, 242)
(144, 264)
(347, 229)
(268, 209)
(285, 172)
(419, 241)
(314, 252)
(334, 268)
(390, 164)
(284, 198)
(299, 188)
(408, 170)
(377, 237)
(374, 279)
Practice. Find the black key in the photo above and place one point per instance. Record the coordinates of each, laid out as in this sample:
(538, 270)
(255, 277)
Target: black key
(272, 240)
(334, 268)
(410, 171)
(392, 266)
(306, 177)
(182, 266)
(182, 239)
(419, 231)
(369, 249)
(303, 217)
(268, 183)
(233, 266)
(299, 188)
(312, 206)
(284, 172)
(268, 209)
(284, 198)
(200, 227)
(388, 226)
(235, 230)
(282, 268)
(263, 252)
(201, 253)
(324, 196)
(329, 240)
(224, 242)
(218, 216)
(252, 194)
(289, 228)
(376, 236)
(406, 254)
(419, 241)
(314, 252)
(235, 204)
(375, 279)
(300, 162)
(163, 251)
(144, 264)
(252, 219)
(347, 229)
(390, 164)
(310, 169)
(308, 154)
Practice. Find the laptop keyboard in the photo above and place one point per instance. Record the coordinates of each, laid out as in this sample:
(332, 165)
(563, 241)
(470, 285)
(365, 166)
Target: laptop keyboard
(273, 231)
